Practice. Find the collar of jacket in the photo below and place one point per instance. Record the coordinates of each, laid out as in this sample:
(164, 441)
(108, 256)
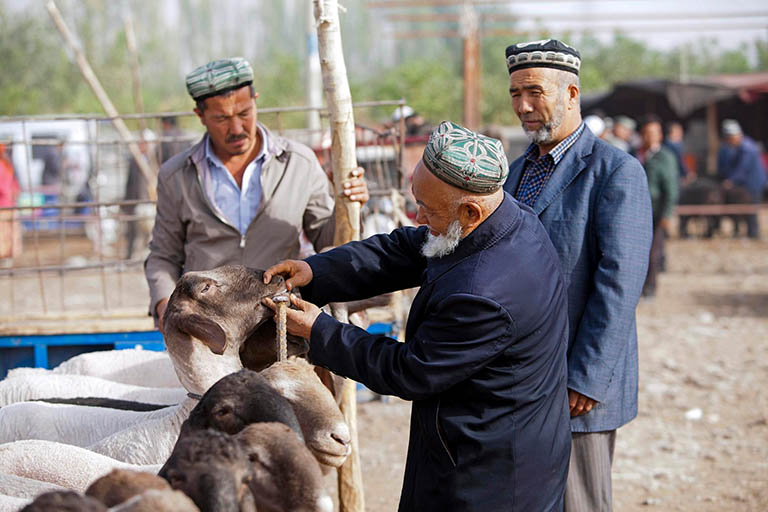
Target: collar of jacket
(503, 220)
(573, 162)
(276, 147)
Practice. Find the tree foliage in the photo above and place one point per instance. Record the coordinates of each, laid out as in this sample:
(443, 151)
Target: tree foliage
(41, 77)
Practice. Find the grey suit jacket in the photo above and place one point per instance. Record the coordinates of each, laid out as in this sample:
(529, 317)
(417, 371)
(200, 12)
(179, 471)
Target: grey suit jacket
(597, 211)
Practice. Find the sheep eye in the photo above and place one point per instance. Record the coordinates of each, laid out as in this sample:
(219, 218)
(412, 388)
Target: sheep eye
(175, 480)
(222, 412)
(206, 288)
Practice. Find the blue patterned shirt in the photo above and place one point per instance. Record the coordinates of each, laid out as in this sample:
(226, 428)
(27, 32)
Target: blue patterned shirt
(238, 206)
(538, 169)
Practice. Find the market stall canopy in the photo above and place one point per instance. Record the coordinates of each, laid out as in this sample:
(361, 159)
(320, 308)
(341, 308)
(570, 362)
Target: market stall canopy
(667, 98)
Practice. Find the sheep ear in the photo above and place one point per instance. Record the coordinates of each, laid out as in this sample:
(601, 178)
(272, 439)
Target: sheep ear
(333, 382)
(207, 331)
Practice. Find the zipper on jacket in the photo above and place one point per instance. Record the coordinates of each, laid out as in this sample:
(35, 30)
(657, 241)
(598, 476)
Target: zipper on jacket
(213, 208)
(440, 436)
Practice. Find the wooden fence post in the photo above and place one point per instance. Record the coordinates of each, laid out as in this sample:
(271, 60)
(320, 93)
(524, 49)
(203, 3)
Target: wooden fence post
(342, 122)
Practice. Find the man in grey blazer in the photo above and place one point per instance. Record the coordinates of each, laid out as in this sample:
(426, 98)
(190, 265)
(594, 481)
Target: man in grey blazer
(594, 202)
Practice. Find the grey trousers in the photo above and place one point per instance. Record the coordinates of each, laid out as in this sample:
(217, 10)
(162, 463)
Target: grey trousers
(588, 488)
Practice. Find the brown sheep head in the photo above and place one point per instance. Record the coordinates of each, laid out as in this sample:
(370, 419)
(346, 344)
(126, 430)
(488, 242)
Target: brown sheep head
(120, 485)
(325, 431)
(213, 317)
(286, 475)
(211, 468)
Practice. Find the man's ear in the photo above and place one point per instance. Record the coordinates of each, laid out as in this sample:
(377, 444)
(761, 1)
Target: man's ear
(573, 96)
(470, 214)
(199, 115)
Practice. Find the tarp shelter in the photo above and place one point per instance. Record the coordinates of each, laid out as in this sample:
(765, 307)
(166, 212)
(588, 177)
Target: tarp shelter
(743, 97)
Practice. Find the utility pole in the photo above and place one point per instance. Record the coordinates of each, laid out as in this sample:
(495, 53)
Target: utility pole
(470, 34)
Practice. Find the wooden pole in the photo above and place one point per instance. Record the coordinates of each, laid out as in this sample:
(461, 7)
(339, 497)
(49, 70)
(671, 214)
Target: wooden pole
(101, 95)
(470, 33)
(712, 139)
(339, 101)
(130, 42)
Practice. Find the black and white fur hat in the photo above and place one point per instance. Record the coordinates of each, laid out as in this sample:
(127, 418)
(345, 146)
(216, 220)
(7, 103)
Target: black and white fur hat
(547, 53)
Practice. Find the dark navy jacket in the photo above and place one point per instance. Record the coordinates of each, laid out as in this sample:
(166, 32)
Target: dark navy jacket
(743, 166)
(484, 359)
(597, 210)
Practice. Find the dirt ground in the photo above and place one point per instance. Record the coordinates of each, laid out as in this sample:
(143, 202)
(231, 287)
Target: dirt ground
(700, 441)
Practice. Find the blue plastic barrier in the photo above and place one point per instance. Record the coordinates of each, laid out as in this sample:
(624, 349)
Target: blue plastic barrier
(48, 351)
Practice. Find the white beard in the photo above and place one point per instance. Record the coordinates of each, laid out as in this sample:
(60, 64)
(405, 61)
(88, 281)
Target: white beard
(437, 246)
(545, 134)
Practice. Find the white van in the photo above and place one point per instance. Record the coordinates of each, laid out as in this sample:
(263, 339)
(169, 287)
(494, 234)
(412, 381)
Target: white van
(60, 143)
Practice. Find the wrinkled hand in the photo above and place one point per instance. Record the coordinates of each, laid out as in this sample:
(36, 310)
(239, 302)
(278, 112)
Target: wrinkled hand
(300, 320)
(579, 403)
(160, 308)
(355, 188)
(297, 273)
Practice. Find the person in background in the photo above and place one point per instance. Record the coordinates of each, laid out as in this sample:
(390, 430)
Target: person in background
(484, 357)
(169, 130)
(136, 188)
(241, 195)
(739, 165)
(10, 230)
(663, 184)
(593, 200)
(415, 124)
(595, 124)
(623, 132)
(673, 141)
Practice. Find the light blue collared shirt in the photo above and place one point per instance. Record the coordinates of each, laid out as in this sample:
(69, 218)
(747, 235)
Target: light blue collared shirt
(238, 206)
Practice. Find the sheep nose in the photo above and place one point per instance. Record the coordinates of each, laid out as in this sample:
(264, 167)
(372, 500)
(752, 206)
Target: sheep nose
(343, 440)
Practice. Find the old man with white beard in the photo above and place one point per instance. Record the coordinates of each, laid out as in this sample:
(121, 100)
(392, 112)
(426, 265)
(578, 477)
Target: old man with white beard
(484, 360)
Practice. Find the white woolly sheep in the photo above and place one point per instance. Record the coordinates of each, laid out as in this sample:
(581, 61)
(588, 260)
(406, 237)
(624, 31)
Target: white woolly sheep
(23, 387)
(128, 436)
(12, 503)
(137, 367)
(27, 488)
(69, 466)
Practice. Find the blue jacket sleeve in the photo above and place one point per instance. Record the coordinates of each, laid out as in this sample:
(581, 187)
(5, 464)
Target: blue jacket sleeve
(623, 229)
(461, 334)
(354, 270)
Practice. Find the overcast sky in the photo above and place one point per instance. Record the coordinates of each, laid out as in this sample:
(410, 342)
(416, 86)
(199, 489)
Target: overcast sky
(647, 16)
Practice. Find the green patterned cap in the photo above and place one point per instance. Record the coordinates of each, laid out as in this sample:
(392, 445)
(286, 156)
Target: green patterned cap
(212, 78)
(465, 159)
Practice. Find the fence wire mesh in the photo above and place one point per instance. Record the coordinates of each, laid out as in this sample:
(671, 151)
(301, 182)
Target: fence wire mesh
(75, 237)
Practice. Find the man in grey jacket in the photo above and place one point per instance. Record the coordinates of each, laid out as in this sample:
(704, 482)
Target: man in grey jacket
(241, 195)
